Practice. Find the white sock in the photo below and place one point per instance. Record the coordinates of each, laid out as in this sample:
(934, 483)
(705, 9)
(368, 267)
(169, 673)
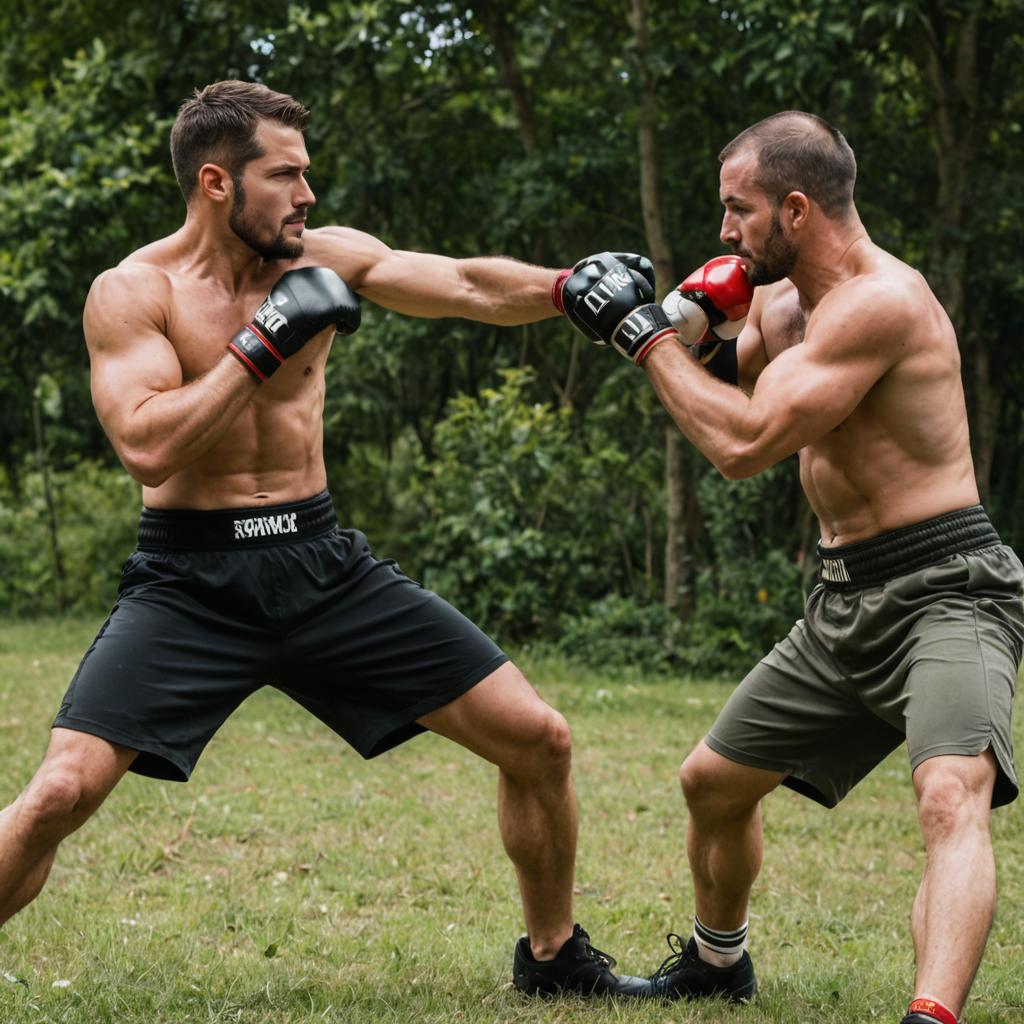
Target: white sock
(722, 949)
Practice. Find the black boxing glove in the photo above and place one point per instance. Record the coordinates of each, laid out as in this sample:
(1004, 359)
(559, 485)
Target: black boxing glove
(640, 330)
(302, 304)
(602, 289)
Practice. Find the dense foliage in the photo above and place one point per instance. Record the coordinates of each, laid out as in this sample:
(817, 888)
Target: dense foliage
(519, 474)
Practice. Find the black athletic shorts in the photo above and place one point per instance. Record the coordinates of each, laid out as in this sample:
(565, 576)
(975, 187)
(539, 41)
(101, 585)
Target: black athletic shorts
(214, 605)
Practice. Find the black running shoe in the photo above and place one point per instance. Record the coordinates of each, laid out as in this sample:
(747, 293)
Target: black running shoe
(918, 1018)
(684, 975)
(578, 967)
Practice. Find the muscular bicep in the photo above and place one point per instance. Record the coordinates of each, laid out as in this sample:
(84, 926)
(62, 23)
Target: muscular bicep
(417, 284)
(810, 389)
(131, 359)
(491, 289)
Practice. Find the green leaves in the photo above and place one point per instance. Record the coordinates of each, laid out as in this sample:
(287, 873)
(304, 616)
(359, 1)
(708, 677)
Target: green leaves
(517, 523)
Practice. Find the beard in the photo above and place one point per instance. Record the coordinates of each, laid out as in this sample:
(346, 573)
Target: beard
(245, 227)
(778, 257)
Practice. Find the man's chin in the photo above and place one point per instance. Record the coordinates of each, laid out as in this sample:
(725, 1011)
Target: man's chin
(282, 249)
(759, 276)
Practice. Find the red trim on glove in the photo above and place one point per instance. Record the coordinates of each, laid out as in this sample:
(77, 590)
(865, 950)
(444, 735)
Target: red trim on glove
(934, 1009)
(246, 361)
(556, 290)
(668, 332)
(270, 348)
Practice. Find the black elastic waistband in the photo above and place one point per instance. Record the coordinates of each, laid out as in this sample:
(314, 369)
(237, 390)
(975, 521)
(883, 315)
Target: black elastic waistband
(236, 528)
(871, 562)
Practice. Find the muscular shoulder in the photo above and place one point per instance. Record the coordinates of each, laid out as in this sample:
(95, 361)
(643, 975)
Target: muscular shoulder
(135, 291)
(352, 254)
(884, 306)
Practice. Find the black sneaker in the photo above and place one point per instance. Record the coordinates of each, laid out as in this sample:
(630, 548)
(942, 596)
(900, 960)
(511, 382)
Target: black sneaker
(684, 975)
(578, 967)
(918, 1018)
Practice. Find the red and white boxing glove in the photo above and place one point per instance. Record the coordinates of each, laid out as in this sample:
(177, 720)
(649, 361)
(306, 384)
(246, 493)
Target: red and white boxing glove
(712, 303)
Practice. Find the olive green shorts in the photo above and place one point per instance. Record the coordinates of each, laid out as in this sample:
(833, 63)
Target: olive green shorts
(930, 656)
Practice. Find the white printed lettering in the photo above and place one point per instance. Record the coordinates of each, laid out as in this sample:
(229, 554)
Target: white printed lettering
(262, 526)
(834, 570)
(270, 317)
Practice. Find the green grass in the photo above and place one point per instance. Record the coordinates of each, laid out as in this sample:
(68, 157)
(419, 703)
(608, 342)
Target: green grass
(291, 881)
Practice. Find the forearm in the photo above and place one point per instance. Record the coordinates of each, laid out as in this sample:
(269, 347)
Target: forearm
(716, 417)
(171, 429)
(489, 289)
(503, 291)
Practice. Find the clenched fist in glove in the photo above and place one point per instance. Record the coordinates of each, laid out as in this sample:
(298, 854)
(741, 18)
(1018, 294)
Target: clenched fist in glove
(302, 304)
(712, 303)
(601, 290)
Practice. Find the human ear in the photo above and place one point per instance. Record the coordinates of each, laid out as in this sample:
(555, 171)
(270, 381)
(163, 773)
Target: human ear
(796, 208)
(215, 183)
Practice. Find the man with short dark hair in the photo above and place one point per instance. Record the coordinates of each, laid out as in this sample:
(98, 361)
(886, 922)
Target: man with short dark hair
(915, 631)
(242, 576)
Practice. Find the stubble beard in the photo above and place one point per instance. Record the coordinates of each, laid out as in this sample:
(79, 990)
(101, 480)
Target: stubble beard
(778, 257)
(242, 224)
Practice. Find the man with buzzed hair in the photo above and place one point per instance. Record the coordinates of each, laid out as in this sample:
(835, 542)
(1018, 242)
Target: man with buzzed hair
(208, 350)
(915, 630)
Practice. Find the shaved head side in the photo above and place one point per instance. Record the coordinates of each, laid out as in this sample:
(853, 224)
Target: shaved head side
(800, 152)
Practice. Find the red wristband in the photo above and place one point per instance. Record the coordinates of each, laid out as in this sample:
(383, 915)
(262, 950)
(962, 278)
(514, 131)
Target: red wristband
(556, 290)
(668, 332)
(933, 1009)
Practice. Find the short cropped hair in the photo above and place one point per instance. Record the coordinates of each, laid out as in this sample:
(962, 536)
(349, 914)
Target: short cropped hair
(218, 124)
(800, 152)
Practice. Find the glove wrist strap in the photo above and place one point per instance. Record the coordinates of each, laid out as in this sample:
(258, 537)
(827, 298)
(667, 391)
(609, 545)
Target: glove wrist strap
(556, 290)
(649, 345)
(252, 348)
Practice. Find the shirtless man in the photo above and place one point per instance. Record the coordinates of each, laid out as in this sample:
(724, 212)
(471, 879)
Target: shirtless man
(242, 576)
(916, 628)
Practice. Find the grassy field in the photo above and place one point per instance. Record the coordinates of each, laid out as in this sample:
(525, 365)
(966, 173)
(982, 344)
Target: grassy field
(291, 881)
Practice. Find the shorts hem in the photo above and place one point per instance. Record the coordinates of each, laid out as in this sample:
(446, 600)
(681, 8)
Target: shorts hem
(1005, 790)
(176, 771)
(742, 757)
(404, 726)
(791, 781)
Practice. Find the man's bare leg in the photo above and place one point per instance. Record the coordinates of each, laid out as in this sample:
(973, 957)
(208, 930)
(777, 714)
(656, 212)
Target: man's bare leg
(503, 720)
(723, 838)
(955, 904)
(77, 774)
(724, 846)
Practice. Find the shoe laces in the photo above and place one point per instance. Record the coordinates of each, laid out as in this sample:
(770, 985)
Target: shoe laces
(673, 961)
(590, 952)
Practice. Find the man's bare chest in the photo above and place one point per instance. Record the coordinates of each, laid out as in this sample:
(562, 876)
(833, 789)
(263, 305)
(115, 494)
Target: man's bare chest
(783, 323)
(202, 319)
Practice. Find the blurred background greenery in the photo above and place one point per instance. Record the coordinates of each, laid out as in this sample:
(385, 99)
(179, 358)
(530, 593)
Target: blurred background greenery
(532, 480)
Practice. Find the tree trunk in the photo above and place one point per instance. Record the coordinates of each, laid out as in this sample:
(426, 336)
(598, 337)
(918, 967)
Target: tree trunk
(495, 20)
(950, 64)
(681, 512)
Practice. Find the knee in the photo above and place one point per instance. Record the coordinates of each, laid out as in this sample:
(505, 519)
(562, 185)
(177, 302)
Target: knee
(547, 745)
(708, 793)
(947, 802)
(55, 803)
(699, 784)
